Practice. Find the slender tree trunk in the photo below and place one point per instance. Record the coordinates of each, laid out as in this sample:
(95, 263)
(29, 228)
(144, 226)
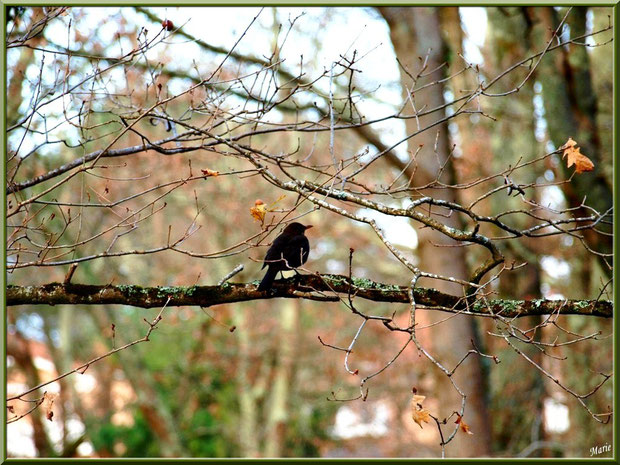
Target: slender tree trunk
(567, 91)
(248, 410)
(415, 32)
(277, 414)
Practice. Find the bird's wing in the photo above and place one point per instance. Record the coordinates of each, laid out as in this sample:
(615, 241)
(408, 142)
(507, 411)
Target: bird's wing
(275, 251)
(296, 250)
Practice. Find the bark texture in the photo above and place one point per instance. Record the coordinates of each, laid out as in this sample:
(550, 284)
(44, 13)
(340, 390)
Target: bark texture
(207, 296)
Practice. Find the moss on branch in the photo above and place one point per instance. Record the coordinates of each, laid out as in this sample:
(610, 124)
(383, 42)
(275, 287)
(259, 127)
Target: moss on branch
(313, 287)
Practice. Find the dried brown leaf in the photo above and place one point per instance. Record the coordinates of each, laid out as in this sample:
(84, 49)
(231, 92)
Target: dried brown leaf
(208, 173)
(462, 425)
(48, 404)
(575, 157)
(418, 413)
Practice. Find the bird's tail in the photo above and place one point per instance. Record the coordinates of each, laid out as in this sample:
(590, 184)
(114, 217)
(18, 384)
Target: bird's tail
(267, 281)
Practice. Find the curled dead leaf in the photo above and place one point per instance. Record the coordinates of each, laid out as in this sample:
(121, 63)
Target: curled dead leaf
(418, 413)
(570, 143)
(48, 404)
(575, 157)
(462, 425)
(208, 173)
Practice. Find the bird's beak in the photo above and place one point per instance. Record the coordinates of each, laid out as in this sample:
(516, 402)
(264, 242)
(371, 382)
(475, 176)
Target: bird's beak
(309, 226)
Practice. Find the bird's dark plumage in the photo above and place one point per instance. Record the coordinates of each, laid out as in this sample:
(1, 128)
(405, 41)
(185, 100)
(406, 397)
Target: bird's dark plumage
(289, 250)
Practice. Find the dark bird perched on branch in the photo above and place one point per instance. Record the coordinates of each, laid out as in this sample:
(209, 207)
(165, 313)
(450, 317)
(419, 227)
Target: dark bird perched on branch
(289, 250)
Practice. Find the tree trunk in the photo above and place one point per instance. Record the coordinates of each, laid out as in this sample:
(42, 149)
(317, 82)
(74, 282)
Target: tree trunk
(415, 32)
(277, 413)
(248, 409)
(567, 91)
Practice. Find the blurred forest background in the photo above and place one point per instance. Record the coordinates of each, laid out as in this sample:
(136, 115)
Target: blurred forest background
(269, 388)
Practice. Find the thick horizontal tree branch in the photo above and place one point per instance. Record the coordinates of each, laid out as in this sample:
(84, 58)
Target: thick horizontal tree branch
(313, 287)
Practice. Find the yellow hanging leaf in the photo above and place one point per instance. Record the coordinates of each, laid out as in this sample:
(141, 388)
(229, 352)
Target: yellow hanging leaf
(259, 210)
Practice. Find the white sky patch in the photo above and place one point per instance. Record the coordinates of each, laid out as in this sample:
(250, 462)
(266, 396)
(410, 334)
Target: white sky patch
(320, 34)
(44, 364)
(539, 113)
(474, 21)
(589, 28)
(397, 230)
(350, 423)
(555, 267)
(552, 197)
(343, 31)
(85, 383)
(556, 416)
(85, 449)
(555, 296)
(31, 326)
(19, 439)
(548, 294)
